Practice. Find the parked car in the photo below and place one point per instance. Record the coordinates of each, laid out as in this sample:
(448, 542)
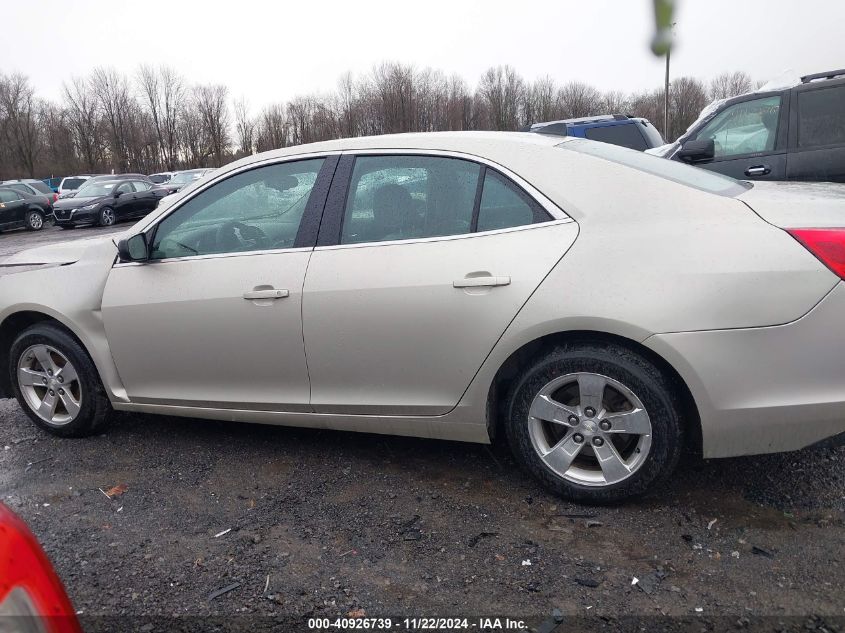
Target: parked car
(601, 308)
(32, 598)
(105, 202)
(161, 177)
(72, 183)
(181, 179)
(790, 133)
(32, 187)
(19, 209)
(633, 132)
(53, 183)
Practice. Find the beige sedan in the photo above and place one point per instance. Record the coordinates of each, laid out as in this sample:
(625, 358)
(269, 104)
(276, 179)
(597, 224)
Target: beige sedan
(600, 308)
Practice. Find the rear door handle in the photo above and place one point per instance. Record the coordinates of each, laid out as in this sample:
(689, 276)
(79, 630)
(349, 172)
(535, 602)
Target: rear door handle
(478, 282)
(758, 170)
(266, 294)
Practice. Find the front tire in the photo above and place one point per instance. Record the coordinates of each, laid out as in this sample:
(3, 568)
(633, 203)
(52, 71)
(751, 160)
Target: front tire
(595, 423)
(107, 217)
(56, 383)
(34, 221)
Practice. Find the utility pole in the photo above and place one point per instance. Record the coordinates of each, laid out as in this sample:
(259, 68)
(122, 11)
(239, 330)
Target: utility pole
(666, 100)
(666, 91)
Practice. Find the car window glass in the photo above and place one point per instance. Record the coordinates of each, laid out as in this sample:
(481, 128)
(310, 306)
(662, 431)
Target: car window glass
(72, 183)
(744, 128)
(503, 206)
(8, 196)
(259, 209)
(409, 197)
(821, 117)
(21, 187)
(125, 187)
(140, 185)
(40, 186)
(626, 135)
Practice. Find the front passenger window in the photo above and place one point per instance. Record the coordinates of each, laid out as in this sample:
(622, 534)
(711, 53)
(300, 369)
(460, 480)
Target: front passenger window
(259, 209)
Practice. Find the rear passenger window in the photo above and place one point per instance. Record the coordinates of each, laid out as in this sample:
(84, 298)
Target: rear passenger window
(504, 206)
(626, 135)
(821, 117)
(409, 197)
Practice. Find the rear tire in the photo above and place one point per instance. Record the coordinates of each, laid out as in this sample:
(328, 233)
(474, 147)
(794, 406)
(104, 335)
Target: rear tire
(56, 383)
(34, 220)
(582, 452)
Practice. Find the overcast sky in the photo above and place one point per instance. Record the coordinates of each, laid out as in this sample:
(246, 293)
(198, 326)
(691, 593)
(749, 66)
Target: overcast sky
(273, 50)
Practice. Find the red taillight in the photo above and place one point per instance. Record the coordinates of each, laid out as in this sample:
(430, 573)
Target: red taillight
(55, 197)
(28, 585)
(826, 244)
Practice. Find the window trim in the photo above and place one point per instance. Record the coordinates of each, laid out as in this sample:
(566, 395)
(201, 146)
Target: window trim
(308, 224)
(332, 224)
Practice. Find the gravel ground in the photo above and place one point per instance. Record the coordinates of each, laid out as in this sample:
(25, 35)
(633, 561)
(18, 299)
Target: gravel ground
(319, 523)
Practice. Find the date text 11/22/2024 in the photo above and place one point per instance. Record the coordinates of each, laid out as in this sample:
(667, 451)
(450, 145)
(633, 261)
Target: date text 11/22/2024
(418, 624)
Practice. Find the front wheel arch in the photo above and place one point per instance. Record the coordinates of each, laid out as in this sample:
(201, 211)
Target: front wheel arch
(16, 323)
(525, 355)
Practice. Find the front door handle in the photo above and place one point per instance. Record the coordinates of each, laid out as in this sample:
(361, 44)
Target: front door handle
(272, 293)
(758, 170)
(478, 282)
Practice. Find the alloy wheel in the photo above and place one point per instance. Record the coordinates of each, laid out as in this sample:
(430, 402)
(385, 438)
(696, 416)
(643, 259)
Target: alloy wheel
(36, 221)
(589, 429)
(49, 384)
(107, 217)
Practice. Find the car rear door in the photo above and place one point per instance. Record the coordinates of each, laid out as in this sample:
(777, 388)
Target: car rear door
(817, 132)
(213, 319)
(749, 137)
(145, 199)
(417, 273)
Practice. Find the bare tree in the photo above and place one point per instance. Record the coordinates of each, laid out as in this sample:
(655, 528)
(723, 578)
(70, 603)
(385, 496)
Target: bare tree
(502, 91)
(163, 90)
(244, 128)
(578, 99)
(114, 97)
(272, 128)
(687, 97)
(730, 85)
(84, 122)
(211, 102)
(19, 110)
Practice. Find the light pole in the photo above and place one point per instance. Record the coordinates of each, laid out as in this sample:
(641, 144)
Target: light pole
(666, 91)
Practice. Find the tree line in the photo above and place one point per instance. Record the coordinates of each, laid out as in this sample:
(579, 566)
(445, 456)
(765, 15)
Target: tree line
(155, 120)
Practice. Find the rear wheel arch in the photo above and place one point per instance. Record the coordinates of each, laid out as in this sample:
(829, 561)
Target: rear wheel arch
(525, 355)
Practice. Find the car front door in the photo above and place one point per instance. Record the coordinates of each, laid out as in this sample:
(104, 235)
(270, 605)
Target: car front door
(817, 133)
(417, 273)
(749, 139)
(12, 208)
(213, 318)
(124, 201)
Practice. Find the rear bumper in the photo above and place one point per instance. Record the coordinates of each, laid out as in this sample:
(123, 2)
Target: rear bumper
(765, 390)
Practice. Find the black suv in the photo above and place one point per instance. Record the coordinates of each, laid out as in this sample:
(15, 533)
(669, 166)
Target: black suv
(795, 133)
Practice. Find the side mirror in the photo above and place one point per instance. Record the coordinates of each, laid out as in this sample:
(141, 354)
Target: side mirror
(697, 150)
(133, 249)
